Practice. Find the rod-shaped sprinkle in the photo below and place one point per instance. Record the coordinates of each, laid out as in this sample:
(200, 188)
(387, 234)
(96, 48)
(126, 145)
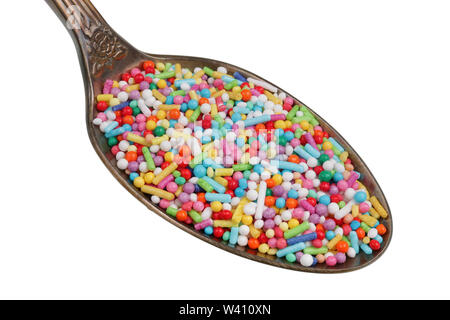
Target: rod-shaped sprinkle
(217, 197)
(297, 230)
(291, 249)
(170, 168)
(377, 205)
(302, 238)
(261, 199)
(157, 192)
(148, 158)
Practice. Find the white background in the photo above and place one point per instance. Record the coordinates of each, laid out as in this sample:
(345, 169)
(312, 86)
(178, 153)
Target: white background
(378, 71)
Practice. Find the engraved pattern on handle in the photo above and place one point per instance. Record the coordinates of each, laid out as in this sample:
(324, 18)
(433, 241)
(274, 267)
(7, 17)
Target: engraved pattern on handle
(101, 43)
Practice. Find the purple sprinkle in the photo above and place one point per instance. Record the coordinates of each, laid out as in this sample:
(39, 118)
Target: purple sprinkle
(314, 218)
(278, 191)
(133, 166)
(340, 257)
(269, 224)
(158, 160)
(115, 91)
(269, 213)
(184, 197)
(321, 209)
(329, 224)
(189, 187)
(334, 189)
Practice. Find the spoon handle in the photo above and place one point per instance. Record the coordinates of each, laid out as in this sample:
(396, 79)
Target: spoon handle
(98, 45)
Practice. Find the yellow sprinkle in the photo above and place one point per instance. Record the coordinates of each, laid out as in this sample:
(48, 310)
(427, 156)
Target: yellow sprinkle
(218, 94)
(158, 192)
(138, 139)
(213, 109)
(193, 95)
(199, 74)
(167, 107)
(374, 213)
(178, 73)
(255, 233)
(133, 87)
(170, 168)
(223, 223)
(355, 210)
(158, 95)
(179, 191)
(218, 75)
(160, 139)
(334, 241)
(370, 221)
(104, 97)
(377, 205)
(221, 180)
(239, 212)
(224, 172)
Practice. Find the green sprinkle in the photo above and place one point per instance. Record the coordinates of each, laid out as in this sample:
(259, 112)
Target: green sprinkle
(205, 185)
(226, 236)
(297, 230)
(208, 71)
(195, 115)
(290, 257)
(171, 211)
(291, 114)
(195, 216)
(242, 167)
(315, 251)
(148, 158)
(166, 75)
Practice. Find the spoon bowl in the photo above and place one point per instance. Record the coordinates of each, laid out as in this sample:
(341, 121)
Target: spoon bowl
(103, 54)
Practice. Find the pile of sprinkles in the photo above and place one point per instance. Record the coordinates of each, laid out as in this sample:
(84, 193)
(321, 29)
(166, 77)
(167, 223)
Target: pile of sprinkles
(240, 162)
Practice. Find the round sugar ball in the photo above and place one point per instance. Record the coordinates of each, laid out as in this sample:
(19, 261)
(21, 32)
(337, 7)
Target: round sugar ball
(120, 155)
(351, 253)
(312, 162)
(372, 233)
(123, 96)
(143, 167)
(250, 208)
(205, 108)
(254, 160)
(254, 176)
(333, 208)
(328, 165)
(303, 192)
(242, 241)
(235, 201)
(252, 195)
(252, 185)
(258, 224)
(277, 220)
(123, 145)
(165, 146)
(288, 176)
(244, 230)
(349, 193)
(265, 175)
(155, 199)
(122, 164)
(307, 260)
(310, 174)
(286, 215)
(339, 167)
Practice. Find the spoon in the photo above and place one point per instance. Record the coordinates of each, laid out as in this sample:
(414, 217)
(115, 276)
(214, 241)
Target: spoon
(103, 54)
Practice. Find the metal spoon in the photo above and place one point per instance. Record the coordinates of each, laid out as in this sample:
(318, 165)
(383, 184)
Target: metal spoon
(103, 54)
